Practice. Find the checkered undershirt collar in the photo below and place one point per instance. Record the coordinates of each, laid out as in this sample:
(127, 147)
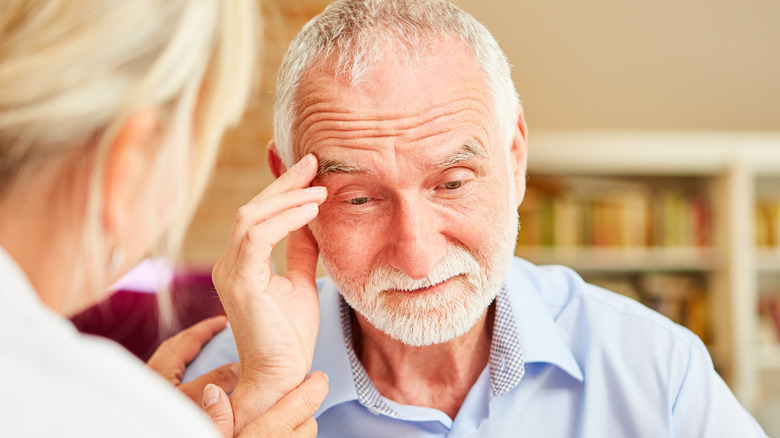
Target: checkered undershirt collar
(506, 360)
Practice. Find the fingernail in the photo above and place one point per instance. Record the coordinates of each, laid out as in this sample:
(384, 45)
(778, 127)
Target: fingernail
(310, 208)
(235, 369)
(305, 161)
(210, 395)
(316, 190)
(327, 379)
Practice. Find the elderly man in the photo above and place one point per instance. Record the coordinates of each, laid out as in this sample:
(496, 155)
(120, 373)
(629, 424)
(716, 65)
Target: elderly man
(429, 326)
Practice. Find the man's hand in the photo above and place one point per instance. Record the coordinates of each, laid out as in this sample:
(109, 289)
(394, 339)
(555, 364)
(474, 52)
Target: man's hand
(274, 318)
(172, 356)
(290, 417)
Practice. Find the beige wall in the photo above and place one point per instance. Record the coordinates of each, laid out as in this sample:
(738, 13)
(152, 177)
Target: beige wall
(627, 64)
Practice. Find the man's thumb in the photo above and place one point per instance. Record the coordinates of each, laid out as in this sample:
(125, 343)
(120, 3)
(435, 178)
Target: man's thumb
(217, 406)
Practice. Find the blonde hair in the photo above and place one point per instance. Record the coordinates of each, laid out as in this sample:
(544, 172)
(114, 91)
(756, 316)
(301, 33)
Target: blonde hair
(73, 71)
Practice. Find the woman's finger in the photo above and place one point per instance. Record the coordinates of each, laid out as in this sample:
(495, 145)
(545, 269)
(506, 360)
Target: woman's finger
(190, 340)
(225, 377)
(171, 357)
(217, 406)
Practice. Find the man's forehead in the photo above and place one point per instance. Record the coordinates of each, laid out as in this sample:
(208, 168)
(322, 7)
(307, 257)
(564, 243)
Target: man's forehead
(444, 100)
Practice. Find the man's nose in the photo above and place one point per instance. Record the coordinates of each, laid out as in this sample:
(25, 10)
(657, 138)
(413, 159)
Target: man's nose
(416, 242)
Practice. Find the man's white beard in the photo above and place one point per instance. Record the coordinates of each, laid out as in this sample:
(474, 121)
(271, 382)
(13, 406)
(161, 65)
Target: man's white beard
(427, 318)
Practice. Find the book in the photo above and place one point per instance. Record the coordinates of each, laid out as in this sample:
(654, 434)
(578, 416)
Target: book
(613, 213)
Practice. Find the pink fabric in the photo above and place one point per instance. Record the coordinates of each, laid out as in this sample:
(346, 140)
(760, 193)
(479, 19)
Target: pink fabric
(131, 317)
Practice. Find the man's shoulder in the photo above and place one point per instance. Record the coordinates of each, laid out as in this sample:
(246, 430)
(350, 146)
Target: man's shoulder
(610, 336)
(576, 305)
(638, 362)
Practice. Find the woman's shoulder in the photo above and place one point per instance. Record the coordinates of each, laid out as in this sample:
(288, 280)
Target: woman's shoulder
(61, 382)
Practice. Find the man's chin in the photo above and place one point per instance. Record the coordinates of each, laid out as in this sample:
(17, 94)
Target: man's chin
(422, 334)
(431, 327)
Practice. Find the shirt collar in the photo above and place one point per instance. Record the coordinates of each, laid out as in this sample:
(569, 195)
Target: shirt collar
(506, 362)
(541, 339)
(349, 381)
(367, 394)
(330, 354)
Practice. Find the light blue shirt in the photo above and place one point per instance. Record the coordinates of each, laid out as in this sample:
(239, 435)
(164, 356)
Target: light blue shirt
(591, 364)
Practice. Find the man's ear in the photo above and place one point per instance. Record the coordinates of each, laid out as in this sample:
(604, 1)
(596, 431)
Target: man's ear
(129, 157)
(274, 161)
(518, 155)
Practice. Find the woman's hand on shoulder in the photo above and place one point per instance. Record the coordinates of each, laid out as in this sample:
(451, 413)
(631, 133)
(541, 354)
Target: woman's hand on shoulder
(172, 356)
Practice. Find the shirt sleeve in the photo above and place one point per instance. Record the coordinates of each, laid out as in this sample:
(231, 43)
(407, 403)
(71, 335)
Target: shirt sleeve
(705, 406)
(220, 350)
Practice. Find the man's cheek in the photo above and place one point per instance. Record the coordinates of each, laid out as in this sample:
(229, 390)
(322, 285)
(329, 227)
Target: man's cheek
(319, 226)
(333, 245)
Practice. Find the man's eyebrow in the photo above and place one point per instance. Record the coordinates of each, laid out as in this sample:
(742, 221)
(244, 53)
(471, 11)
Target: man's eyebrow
(330, 166)
(466, 152)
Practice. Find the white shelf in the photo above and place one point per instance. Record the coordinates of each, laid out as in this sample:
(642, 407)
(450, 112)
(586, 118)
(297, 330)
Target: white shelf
(619, 260)
(690, 153)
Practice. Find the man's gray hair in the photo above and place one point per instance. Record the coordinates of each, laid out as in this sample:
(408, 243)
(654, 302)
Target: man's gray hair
(356, 34)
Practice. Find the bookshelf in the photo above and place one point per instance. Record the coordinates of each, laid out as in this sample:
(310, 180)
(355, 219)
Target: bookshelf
(686, 221)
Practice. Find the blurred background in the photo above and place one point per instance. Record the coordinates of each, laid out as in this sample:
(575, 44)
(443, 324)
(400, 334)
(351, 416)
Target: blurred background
(654, 168)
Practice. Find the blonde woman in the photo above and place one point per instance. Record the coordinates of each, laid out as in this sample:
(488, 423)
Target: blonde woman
(110, 116)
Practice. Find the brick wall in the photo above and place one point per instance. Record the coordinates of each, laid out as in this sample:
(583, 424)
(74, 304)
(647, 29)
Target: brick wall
(241, 170)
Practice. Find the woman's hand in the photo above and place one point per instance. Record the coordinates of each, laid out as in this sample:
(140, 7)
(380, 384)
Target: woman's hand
(274, 318)
(290, 417)
(172, 356)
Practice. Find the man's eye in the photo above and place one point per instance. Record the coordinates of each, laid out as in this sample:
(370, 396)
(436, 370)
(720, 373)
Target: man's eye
(359, 201)
(452, 185)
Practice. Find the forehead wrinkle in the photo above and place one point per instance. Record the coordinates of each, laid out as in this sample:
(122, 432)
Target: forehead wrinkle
(354, 124)
(323, 128)
(327, 106)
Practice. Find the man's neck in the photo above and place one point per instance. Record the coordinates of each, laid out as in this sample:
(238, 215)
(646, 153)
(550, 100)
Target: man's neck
(437, 376)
